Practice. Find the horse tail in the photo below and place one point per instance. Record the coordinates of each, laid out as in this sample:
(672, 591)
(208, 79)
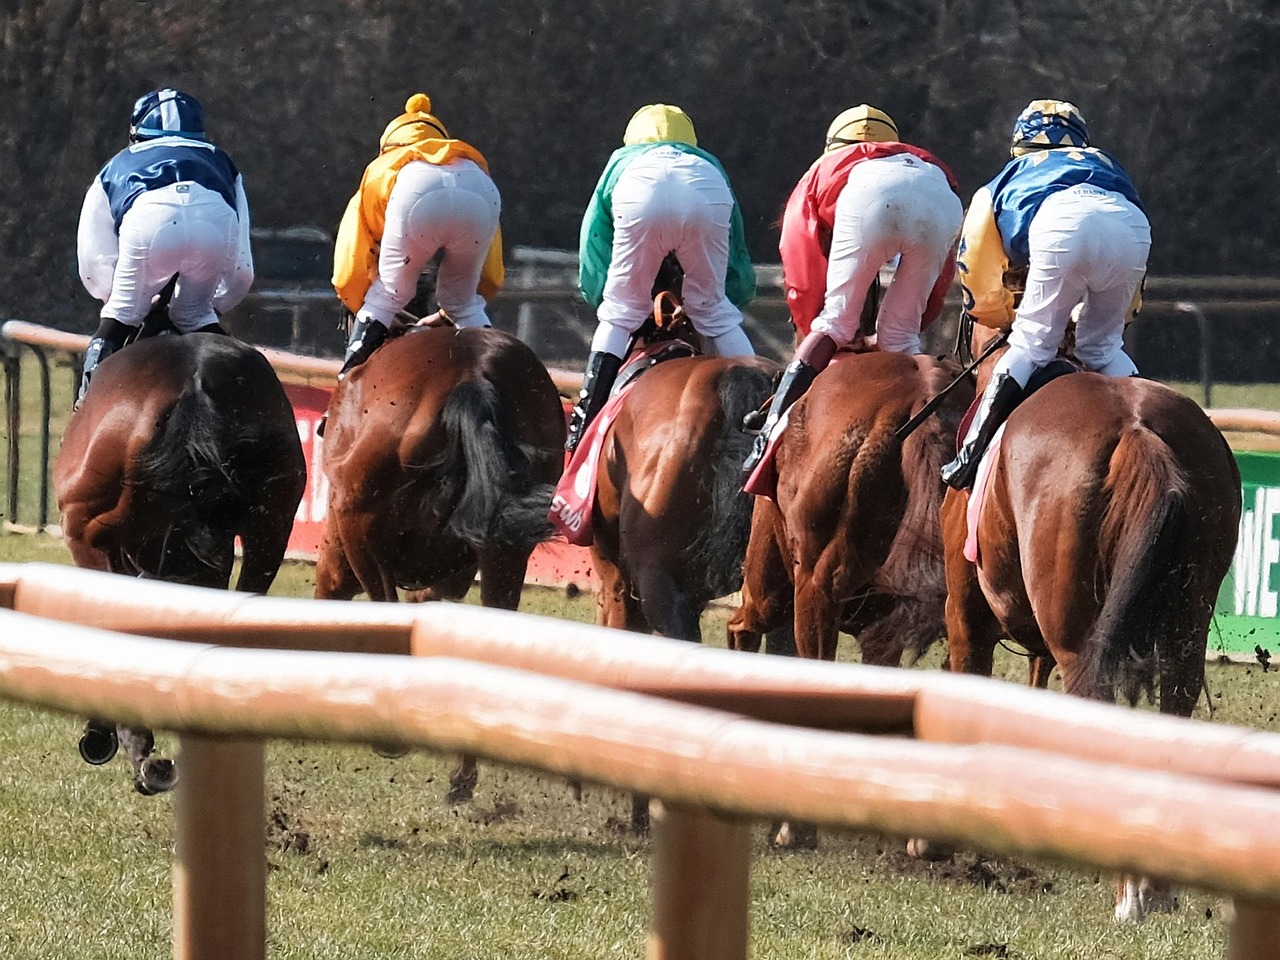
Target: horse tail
(187, 466)
(482, 483)
(722, 542)
(1145, 531)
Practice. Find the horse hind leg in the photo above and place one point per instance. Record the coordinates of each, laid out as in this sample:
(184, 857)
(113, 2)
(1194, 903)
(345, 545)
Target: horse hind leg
(151, 774)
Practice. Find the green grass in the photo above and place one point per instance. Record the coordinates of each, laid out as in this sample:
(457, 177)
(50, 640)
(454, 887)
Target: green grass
(368, 861)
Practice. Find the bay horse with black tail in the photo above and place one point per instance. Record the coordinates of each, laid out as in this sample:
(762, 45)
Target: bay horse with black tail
(442, 451)
(183, 445)
(1108, 524)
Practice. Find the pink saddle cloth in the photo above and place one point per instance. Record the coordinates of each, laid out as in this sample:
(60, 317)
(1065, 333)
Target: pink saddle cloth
(575, 495)
(978, 496)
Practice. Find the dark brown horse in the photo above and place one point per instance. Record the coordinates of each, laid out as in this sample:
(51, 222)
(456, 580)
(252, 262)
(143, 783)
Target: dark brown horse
(442, 451)
(183, 445)
(1108, 526)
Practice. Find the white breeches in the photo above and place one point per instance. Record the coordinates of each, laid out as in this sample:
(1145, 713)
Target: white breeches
(891, 206)
(451, 208)
(667, 201)
(184, 229)
(1089, 248)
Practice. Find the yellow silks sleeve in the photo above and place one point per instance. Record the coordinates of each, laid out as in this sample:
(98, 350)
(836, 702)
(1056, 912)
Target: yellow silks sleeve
(981, 264)
(493, 272)
(355, 257)
(1135, 305)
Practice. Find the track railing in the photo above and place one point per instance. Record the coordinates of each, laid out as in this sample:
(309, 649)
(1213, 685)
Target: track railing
(721, 738)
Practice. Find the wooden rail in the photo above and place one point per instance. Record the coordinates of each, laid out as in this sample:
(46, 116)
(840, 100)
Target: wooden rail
(1079, 797)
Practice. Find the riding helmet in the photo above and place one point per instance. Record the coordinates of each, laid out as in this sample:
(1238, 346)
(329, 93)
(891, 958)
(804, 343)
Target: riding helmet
(416, 124)
(660, 123)
(861, 124)
(166, 113)
(1046, 124)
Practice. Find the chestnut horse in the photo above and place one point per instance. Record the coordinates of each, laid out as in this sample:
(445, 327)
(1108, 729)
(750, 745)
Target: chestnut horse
(442, 451)
(1109, 523)
(670, 519)
(182, 445)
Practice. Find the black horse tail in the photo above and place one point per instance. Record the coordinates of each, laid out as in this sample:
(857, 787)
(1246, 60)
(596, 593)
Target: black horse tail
(722, 543)
(189, 468)
(482, 483)
(1150, 613)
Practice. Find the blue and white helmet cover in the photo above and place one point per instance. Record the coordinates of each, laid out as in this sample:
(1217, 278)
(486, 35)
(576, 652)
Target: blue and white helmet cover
(167, 113)
(1050, 123)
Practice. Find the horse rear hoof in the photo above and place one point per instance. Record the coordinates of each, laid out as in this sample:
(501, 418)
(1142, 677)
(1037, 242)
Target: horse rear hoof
(156, 776)
(98, 744)
(931, 850)
(390, 751)
(795, 836)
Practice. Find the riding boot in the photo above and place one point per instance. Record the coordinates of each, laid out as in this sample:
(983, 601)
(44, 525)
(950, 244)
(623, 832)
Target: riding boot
(109, 337)
(214, 327)
(366, 336)
(810, 360)
(597, 381)
(1001, 396)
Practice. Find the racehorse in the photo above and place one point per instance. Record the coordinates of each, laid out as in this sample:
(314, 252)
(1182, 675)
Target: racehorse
(1108, 524)
(441, 451)
(670, 520)
(183, 445)
(851, 539)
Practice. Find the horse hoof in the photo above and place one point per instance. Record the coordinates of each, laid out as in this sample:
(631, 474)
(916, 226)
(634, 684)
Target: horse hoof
(461, 793)
(795, 836)
(390, 751)
(156, 776)
(930, 850)
(98, 745)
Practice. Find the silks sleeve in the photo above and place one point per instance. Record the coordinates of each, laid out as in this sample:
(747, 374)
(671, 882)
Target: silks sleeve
(740, 281)
(355, 258)
(981, 263)
(97, 247)
(933, 307)
(234, 286)
(804, 263)
(595, 244)
(493, 273)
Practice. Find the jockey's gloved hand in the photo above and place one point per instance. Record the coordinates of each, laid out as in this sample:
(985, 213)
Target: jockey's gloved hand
(754, 420)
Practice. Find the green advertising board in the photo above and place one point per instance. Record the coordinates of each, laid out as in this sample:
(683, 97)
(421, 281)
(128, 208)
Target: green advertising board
(1246, 615)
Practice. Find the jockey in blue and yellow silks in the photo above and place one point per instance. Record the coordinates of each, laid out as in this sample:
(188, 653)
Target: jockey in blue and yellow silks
(425, 193)
(1069, 213)
(659, 194)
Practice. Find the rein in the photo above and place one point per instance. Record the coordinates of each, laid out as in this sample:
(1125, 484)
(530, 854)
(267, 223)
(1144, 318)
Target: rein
(934, 402)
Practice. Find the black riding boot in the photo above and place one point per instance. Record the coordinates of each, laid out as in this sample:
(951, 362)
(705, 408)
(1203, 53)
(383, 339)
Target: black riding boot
(811, 359)
(366, 337)
(1002, 395)
(597, 381)
(109, 337)
(214, 327)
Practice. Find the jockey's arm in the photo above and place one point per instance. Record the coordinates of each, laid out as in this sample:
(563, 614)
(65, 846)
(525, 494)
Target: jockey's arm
(493, 273)
(234, 287)
(981, 264)
(355, 258)
(97, 245)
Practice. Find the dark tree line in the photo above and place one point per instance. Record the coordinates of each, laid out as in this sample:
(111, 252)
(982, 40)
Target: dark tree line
(1183, 91)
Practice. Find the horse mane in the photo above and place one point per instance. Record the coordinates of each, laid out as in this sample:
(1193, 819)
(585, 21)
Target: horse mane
(722, 541)
(1144, 531)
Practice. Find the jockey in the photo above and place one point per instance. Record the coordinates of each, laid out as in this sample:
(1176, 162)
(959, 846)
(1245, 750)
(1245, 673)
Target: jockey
(171, 203)
(659, 194)
(867, 199)
(424, 194)
(1068, 213)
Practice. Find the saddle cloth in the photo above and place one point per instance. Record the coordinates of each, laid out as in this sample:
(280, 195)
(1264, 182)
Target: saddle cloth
(575, 495)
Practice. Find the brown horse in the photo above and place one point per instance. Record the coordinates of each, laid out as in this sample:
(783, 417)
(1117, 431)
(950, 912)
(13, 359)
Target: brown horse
(183, 445)
(1109, 523)
(670, 518)
(442, 451)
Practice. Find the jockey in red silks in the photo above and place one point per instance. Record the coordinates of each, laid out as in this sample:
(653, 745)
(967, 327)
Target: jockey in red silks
(659, 194)
(1070, 214)
(171, 203)
(868, 199)
(424, 194)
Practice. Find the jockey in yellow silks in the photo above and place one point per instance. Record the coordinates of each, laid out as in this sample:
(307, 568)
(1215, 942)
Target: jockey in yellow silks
(1069, 213)
(659, 194)
(424, 194)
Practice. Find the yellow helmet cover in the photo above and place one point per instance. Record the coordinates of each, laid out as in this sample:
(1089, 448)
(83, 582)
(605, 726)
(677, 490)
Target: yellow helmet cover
(416, 124)
(658, 123)
(861, 124)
